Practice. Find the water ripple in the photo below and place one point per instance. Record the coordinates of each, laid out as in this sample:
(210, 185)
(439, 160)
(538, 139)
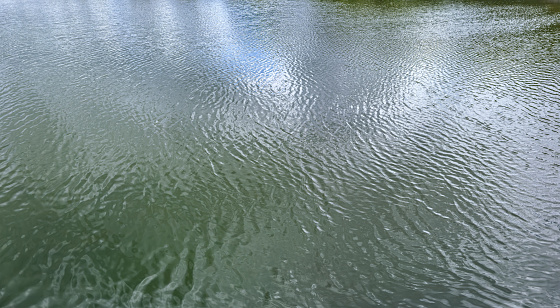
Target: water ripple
(215, 153)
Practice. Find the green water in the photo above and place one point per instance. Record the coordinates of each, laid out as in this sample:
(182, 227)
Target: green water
(220, 153)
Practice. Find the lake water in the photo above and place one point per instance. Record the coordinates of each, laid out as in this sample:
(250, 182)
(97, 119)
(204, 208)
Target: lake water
(292, 153)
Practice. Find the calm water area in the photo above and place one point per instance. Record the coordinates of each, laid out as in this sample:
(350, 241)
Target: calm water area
(287, 153)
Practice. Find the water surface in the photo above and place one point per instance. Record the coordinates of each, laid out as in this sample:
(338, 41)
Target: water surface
(218, 153)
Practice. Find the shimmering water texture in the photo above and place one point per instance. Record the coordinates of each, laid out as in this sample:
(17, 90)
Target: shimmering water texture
(309, 153)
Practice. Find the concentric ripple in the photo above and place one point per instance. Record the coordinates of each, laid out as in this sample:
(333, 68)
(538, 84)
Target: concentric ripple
(216, 153)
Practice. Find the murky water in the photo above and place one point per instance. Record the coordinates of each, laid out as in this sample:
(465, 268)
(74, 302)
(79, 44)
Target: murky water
(279, 153)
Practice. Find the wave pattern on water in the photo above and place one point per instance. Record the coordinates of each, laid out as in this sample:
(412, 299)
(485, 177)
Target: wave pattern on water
(321, 154)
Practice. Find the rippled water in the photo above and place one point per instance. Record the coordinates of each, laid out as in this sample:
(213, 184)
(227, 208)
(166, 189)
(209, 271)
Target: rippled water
(279, 153)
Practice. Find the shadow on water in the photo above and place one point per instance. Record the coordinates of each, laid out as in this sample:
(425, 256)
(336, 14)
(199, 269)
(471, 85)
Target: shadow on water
(552, 5)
